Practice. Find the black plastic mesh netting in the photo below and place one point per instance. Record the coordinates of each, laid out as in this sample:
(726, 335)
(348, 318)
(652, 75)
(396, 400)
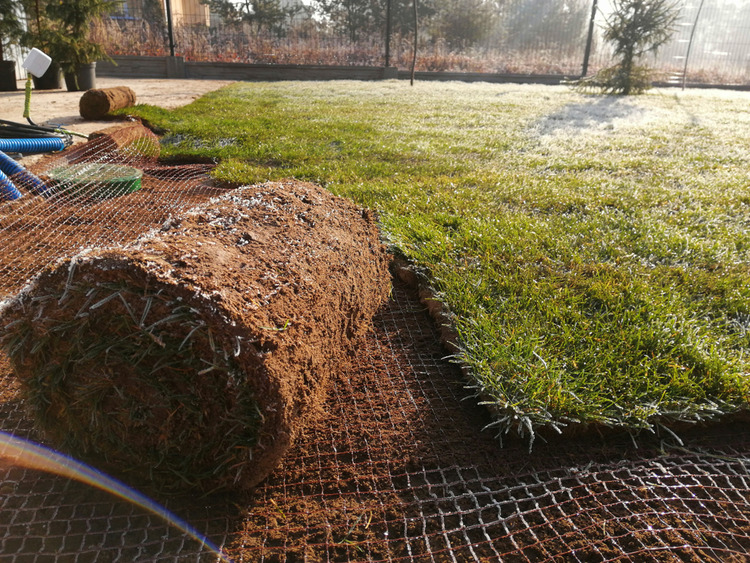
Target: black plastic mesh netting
(396, 467)
(403, 472)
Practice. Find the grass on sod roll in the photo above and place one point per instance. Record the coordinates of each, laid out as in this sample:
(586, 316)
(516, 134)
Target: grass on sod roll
(594, 251)
(107, 379)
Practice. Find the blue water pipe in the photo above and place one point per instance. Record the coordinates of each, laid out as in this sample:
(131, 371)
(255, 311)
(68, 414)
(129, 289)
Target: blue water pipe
(32, 145)
(19, 173)
(8, 191)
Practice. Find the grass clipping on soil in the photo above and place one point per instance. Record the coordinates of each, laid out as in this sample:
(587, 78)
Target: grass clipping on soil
(192, 358)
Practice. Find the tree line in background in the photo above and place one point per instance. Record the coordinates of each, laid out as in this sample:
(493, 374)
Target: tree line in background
(634, 28)
(499, 36)
(496, 36)
(460, 24)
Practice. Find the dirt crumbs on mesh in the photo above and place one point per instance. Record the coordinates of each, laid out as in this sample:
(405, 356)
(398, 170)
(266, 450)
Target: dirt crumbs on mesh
(86, 201)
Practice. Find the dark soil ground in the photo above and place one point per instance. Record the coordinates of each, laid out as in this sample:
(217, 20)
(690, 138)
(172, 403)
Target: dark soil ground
(396, 467)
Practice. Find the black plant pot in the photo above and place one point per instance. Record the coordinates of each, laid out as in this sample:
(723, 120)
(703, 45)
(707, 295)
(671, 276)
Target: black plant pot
(84, 78)
(8, 76)
(50, 80)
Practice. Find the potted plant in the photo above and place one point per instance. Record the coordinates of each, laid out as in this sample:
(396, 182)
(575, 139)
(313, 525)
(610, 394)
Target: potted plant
(41, 33)
(11, 30)
(72, 47)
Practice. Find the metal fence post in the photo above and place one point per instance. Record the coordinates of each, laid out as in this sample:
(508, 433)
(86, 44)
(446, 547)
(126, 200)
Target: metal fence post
(170, 29)
(690, 44)
(589, 40)
(416, 40)
(388, 33)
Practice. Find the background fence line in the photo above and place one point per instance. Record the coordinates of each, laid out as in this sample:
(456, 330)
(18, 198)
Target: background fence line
(514, 36)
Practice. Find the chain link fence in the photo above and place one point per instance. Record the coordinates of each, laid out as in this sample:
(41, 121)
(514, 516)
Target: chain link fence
(711, 42)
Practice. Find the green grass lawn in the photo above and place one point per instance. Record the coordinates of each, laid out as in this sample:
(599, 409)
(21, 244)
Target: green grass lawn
(594, 251)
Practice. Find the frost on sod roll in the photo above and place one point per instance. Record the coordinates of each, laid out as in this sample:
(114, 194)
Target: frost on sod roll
(192, 358)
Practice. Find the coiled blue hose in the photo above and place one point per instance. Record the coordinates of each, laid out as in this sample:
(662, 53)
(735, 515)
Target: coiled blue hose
(32, 146)
(7, 190)
(11, 168)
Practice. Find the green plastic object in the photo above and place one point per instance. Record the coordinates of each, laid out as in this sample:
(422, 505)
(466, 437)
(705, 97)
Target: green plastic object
(101, 181)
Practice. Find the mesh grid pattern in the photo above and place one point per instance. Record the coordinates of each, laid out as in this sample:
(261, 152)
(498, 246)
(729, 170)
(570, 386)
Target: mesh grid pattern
(431, 487)
(378, 480)
(396, 467)
(45, 518)
(92, 212)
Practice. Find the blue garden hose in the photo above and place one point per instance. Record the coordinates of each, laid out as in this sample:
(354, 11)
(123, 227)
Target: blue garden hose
(8, 191)
(9, 167)
(32, 145)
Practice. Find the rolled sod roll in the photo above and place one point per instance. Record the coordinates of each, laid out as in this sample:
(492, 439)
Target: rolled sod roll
(192, 358)
(98, 102)
(125, 141)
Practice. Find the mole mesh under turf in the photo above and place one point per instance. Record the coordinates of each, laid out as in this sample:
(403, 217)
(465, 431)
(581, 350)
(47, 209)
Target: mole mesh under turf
(343, 493)
(69, 216)
(396, 468)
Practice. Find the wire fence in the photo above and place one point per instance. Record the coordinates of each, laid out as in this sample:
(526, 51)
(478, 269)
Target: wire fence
(711, 42)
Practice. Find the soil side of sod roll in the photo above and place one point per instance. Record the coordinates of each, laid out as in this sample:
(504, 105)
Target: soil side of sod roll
(191, 358)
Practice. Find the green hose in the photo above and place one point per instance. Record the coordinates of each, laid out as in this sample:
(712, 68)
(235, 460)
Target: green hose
(27, 113)
(27, 101)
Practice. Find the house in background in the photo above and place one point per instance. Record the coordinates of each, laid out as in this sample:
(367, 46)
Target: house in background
(184, 12)
(190, 12)
(193, 12)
